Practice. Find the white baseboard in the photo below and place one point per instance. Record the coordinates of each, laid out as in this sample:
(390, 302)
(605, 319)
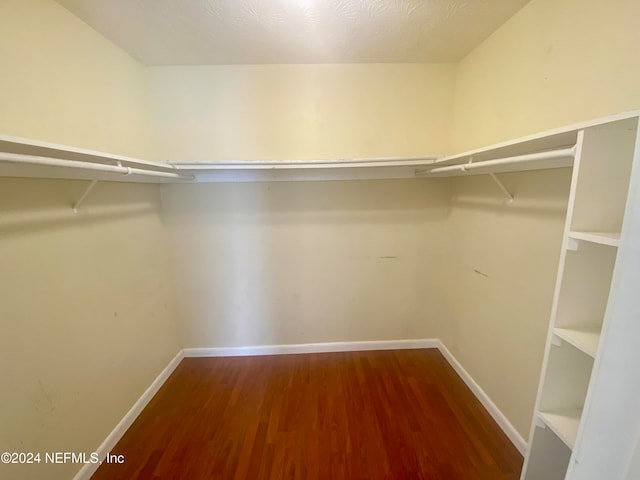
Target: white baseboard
(311, 348)
(116, 434)
(89, 469)
(482, 396)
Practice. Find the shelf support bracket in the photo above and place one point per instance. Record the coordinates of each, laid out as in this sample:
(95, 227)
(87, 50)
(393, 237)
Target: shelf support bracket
(504, 190)
(573, 244)
(82, 198)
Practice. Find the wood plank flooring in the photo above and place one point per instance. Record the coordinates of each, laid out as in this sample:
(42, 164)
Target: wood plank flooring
(401, 414)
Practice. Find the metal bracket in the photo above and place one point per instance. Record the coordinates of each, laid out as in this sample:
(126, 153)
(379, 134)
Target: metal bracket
(463, 168)
(504, 190)
(76, 205)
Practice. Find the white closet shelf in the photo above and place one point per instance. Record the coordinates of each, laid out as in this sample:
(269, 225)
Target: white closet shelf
(303, 170)
(77, 163)
(540, 143)
(564, 423)
(585, 340)
(539, 160)
(545, 150)
(611, 239)
(21, 157)
(305, 164)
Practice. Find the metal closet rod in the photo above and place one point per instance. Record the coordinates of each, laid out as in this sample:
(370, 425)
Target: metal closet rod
(100, 167)
(530, 157)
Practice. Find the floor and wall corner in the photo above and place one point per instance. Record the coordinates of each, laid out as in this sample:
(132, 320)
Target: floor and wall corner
(99, 307)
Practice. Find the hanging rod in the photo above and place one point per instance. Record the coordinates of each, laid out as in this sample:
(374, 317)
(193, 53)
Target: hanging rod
(304, 164)
(100, 167)
(530, 157)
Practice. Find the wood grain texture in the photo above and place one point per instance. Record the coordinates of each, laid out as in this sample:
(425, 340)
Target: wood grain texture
(401, 414)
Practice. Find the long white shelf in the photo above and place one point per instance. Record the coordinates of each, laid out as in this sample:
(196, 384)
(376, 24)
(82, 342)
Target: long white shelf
(78, 163)
(373, 167)
(23, 157)
(611, 239)
(304, 170)
(539, 160)
(305, 164)
(564, 423)
(584, 340)
(538, 142)
(503, 157)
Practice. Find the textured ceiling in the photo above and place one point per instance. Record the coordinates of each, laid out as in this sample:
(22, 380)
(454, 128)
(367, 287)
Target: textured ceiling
(207, 32)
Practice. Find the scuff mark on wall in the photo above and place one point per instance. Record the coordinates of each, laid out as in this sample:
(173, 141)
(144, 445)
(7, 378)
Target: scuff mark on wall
(481, 273)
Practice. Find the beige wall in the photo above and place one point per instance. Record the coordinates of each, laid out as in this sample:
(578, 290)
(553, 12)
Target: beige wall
(87, 314)
(554, 63)
(308, 262)
(62, 82)
(302, 111)
(500, 280)
(303, 262)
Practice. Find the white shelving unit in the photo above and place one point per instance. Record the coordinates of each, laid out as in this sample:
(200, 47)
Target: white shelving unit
(611, 239)
(564, 423)
(587, 400)
(584, 340)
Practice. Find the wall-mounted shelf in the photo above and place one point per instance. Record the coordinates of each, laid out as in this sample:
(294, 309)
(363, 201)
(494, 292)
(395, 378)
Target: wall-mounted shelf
(21, 157)
(564, 423)
(585, 397)
(611, 239)
(584, 340)
(304, 170)
(533, 152)
(76, 163)
(540, 160)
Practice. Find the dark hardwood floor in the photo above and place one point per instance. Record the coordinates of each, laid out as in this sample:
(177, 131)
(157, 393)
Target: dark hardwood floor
(401, 414)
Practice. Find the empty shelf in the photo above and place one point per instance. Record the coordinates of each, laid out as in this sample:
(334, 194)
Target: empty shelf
(564, 423)
(584, 340)
(603, 238)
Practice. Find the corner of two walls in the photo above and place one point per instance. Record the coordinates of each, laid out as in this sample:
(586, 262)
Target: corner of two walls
(282, 263)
